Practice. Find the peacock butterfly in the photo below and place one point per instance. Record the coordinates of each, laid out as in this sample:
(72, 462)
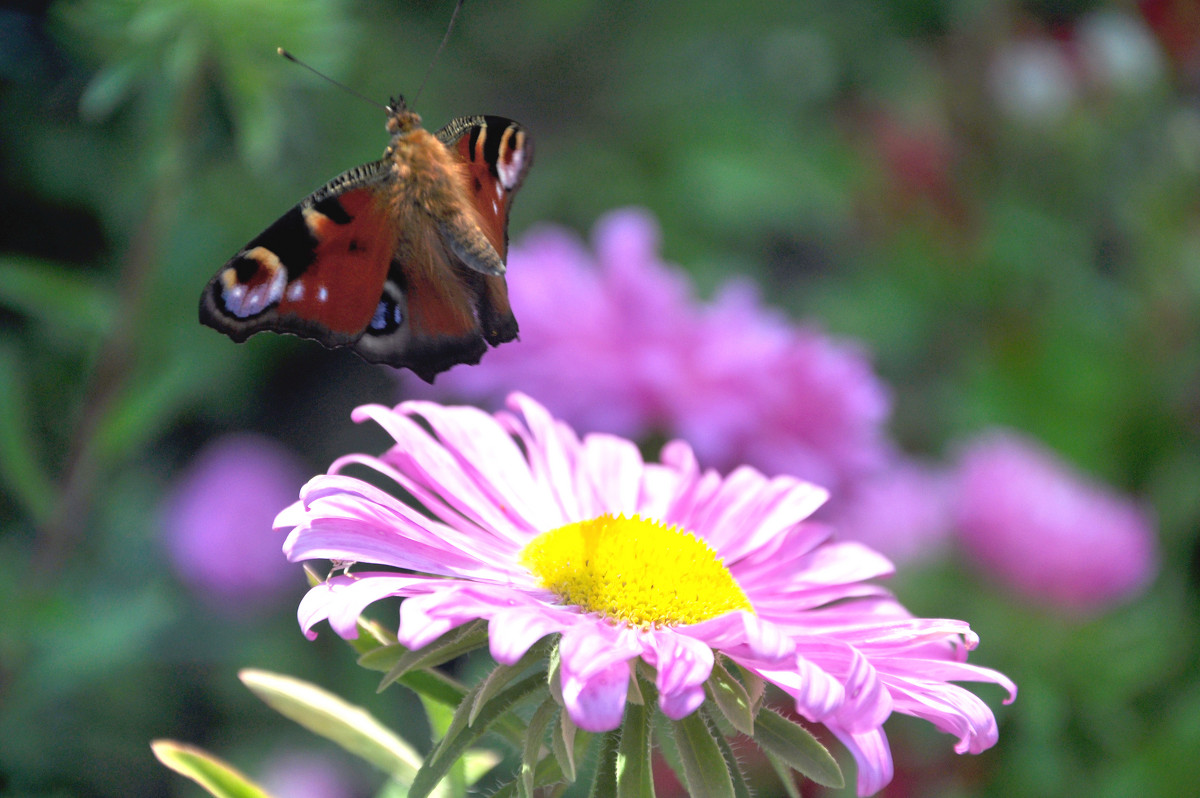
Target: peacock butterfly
(401, 259)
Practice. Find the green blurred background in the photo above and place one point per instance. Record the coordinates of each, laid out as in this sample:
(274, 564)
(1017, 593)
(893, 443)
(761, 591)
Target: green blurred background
(1001, 200)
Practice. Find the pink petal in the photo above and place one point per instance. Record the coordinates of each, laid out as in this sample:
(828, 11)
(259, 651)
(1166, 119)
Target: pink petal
(513, 631)
(871, 753)
(683, 666)
(343, 598)
(425, 618)
(745, 635)
(817, 694)
(552, 450)
(614, 468)
(596, 703)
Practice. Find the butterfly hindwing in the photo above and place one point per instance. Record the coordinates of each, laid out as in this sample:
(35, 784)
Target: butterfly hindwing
(440, 296)
(497, 154)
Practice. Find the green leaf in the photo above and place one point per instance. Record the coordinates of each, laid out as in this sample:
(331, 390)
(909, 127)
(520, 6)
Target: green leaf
(796, 748)
(20, 470)
(635, 777)
(478, 762)
(108, 89)
(323, 713)
(383, 658)
(56, 296)
(740, 788)
(211, 773)
(785, 775)
(546, 773)
(450, 645)
(531, 752)
(148, 404)
(435, 686)
(730, 698)
(462, 734)
(440, 719)
(605, 783)
(704, 771)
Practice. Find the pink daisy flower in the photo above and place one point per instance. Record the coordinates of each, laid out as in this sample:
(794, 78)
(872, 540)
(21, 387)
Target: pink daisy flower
(538, 532)
(903, 512)
(613, 339)
(1042, 529)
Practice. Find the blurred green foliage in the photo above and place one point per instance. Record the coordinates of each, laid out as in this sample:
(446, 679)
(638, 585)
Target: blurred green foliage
(1035, 266)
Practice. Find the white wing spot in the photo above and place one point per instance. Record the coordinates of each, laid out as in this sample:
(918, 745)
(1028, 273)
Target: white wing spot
(510, 170)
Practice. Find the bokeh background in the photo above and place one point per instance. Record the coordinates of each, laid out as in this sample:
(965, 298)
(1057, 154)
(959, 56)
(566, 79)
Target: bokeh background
(998, 203)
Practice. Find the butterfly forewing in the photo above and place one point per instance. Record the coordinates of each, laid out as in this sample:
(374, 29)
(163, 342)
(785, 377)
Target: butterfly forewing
(318, 271)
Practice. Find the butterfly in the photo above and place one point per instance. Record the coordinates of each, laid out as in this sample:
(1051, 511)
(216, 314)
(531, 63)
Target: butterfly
(402, 259)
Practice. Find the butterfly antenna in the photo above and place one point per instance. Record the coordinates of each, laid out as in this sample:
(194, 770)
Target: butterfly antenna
(341, 86)
(441, 47)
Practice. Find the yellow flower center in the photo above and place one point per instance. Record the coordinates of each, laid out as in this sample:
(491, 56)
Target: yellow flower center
(634, 570)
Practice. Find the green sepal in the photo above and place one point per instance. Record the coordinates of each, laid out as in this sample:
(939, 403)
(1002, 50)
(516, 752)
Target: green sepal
(756, 687)
(501, 676)
(731, 698)
(635, 776)
(562, 744)
(462, 734)
(797, 748)
(554, 673)
(453, 644)
(218, 777)
(327, 715)
(531, 751)
(705, 773)
(372, 636)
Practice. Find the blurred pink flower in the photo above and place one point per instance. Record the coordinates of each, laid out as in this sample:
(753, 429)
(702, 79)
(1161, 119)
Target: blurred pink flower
(308, 774)
(541, 533)
(217, 521)
(617, 342)
(904, 512)
(1045, 531)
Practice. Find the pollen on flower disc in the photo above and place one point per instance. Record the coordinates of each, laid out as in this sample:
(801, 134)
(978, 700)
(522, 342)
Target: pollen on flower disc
(634, 570)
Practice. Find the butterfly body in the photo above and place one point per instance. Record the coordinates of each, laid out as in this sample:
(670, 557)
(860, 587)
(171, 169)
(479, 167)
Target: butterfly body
(401, 259)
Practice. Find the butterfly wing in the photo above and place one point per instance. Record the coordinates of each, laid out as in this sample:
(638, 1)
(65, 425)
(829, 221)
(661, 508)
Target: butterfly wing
(361, 263)
(497, 153)
(318, 271)
(446, 287)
